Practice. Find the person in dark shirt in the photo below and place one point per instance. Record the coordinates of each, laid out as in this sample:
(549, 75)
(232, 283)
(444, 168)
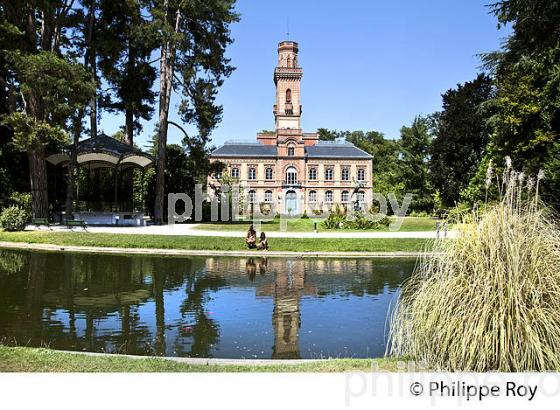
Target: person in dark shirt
(251, 238)
(263, 242)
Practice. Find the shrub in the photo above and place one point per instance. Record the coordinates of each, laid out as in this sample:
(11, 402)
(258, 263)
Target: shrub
(459, 213)
(334, 221)
(22, 200)
(419, 214)
(490, 299)
(14, 219)
(361, 222)
(304, 216)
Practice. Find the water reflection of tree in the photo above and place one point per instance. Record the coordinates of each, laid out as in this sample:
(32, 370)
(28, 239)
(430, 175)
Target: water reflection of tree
(196, 322)
(369, 276)
(11, 262)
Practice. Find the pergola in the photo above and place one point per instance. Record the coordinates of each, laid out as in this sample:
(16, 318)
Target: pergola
(103, 151)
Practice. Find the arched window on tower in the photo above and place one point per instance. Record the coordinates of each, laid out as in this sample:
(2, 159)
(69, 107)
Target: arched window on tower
(288, 62)
(289, 106)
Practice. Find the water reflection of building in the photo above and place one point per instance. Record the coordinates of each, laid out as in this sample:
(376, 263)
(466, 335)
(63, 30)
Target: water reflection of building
(287, 289)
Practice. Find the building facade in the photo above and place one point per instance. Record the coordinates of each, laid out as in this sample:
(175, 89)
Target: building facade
(292, 169)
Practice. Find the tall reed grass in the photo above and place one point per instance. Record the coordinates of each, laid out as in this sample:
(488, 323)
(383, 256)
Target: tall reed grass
(490, 299)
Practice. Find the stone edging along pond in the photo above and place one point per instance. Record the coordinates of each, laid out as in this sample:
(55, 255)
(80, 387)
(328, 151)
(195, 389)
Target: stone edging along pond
(205, 361)
(187, 252)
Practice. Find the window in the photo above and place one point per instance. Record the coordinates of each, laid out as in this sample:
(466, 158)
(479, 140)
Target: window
(235, 172)
(268, 196)
(268, 173)
(313, 174)
(218, 175)
(312, 196)
(345, 174)
(288, 95)
(291, 176)
(329, 174)
(361, 197)
(291, 151)
(252, 196)
(252, 173)
(361, 174)
(328, 197)
(344, 196)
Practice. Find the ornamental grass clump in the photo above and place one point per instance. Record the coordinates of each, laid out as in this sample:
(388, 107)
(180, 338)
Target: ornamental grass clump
(490, 299)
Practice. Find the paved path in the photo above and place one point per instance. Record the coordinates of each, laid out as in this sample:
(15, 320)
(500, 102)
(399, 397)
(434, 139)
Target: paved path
(189, 230)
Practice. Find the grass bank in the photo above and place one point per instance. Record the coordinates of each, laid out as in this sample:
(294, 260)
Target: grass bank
(25, 359)
(409, 224)
(215, 243)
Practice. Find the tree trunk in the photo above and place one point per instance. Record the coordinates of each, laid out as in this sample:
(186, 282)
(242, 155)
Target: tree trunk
(72, 165)
(161, 147)
(129, 113)
(129, 127)
(39, 187)
(166, 81)
(91, 61)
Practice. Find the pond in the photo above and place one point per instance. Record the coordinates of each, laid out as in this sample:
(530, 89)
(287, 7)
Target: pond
(199, 306)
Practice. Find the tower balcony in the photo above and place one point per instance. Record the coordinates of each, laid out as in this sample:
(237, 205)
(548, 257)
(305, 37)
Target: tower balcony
(287, 73)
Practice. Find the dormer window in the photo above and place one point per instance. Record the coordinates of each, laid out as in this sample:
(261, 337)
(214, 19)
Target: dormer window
(291, 151)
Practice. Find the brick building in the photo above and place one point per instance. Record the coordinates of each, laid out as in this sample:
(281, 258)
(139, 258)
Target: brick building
(288, 167)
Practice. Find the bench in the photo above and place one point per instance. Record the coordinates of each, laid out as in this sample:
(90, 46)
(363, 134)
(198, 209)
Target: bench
(41, 222)
(70, 223)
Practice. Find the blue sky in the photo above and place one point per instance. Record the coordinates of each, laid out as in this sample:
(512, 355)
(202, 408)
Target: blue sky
(368, 64)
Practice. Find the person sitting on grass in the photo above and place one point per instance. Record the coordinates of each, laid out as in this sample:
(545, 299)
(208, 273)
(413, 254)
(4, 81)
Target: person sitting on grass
(263, 242)
(251, 238)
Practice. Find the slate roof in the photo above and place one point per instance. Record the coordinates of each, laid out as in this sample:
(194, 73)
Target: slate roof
(321, 150)
(245, 150)
(336, 150)
(108, 144)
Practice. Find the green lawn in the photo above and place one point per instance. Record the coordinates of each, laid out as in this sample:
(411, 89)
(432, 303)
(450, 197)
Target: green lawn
(215, 243)
(25, 359)
(410, 224)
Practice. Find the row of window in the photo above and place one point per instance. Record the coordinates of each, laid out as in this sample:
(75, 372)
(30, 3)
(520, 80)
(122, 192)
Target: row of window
(312, 196)
(291, 174)
(329, 174)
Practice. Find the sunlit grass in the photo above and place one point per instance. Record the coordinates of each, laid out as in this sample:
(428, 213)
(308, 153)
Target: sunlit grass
(491, 300)
(24, 359)
(215, 243)
(410, 224)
